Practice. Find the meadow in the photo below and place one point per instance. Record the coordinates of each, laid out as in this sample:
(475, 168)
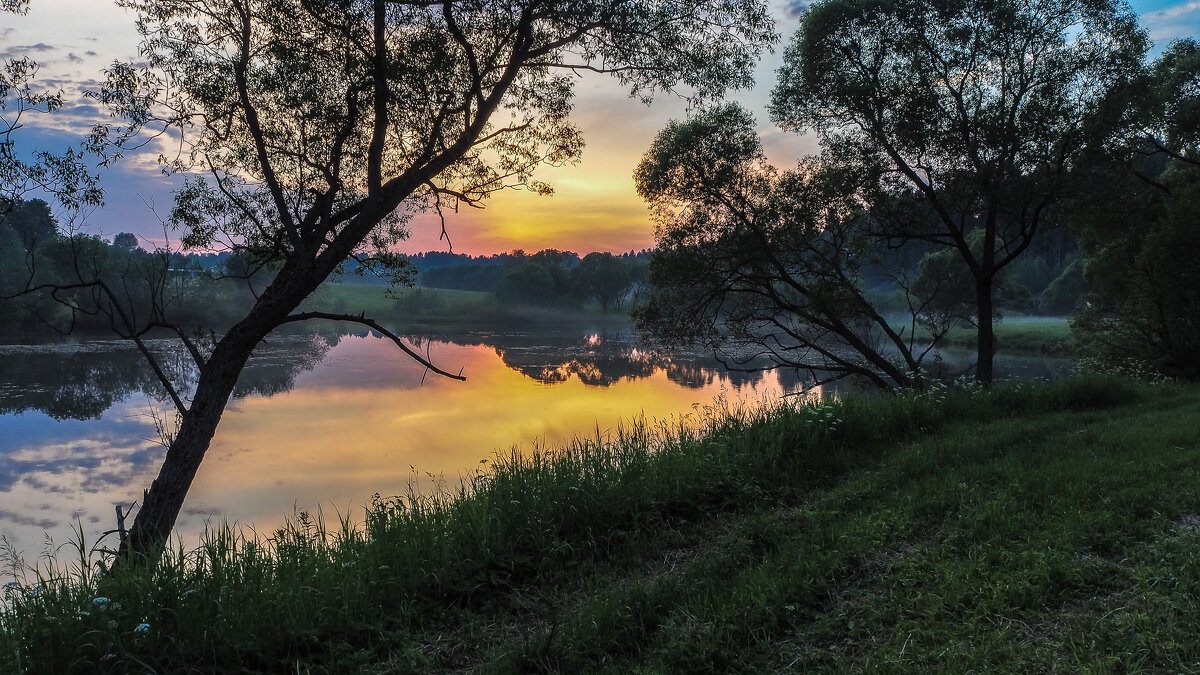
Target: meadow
(1028, 335)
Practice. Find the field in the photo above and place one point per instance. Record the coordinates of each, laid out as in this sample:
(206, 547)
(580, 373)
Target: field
(434, 309)
(1029, 335)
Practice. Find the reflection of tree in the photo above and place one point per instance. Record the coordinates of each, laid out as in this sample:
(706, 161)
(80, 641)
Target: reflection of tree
(70, 384)
(83, 381)
(275, 365)
(604, 359)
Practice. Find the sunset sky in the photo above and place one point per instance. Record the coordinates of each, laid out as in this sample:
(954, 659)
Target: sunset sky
(594, 208)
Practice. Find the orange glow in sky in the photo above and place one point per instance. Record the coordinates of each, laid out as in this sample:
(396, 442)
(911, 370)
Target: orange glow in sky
(595, 207)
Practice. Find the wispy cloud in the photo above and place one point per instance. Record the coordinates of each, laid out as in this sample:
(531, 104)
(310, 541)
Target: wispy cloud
(1170, 13)
(19, 51)
(795, 8)
(1173, 22)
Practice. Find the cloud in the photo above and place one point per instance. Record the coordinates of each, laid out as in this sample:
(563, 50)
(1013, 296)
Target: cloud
(1175, 12)
(20, 51)
(1173, 22)
(39, 47)
(796, 8)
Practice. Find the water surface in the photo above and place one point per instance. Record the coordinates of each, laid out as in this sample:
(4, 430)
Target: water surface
(325, 422)
(318, 422)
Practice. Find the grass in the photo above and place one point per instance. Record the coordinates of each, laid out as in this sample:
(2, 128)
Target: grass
(1028, 335)
(1023, 528)
(444, 309)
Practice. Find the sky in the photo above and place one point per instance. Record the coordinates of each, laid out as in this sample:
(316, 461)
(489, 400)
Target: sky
(594, 207)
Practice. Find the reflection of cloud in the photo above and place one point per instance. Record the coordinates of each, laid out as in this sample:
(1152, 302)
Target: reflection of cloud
(27, 521)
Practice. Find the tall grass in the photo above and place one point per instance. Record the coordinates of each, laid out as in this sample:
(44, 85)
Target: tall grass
(337, 595)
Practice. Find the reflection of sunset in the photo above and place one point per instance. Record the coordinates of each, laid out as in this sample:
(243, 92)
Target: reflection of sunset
(358, 417)
(338, 442)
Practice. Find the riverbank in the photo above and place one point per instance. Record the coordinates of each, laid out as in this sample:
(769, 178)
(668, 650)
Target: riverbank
(1022, 529)
(438, 309)
(405, 311)
(1022, 335)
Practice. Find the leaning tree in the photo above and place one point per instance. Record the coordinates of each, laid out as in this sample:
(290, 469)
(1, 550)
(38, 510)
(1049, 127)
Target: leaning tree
(976, 108)
(311, 131)
(766, 267)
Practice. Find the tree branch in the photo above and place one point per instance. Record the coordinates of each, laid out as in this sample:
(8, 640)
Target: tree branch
(373, 325)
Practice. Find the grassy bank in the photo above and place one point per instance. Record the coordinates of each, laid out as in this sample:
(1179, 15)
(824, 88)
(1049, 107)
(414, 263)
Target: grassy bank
(1025, 335)
(434, 309)
(1025, 528)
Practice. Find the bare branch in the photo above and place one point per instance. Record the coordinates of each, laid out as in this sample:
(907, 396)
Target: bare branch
(374, 325)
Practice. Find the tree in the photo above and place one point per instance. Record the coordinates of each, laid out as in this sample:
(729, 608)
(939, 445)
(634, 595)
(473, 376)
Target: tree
(27, 224)
(322, 126)
(65, 175)
(756, 263)
(32, 221)
(126, 241)
(977, 108)
(527, 283)
(1139, 233)
(604, 277)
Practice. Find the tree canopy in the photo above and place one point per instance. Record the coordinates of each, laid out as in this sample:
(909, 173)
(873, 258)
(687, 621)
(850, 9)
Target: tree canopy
(757, 263)
(313, 130)
(1138, 228)
(978, 109)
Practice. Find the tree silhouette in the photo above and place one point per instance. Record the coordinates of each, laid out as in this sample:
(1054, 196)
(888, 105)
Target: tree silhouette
(313, 130)
(763, 266)
(970, 114)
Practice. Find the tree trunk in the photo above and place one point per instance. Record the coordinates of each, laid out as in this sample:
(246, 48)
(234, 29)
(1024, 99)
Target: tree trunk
(986, 332)
(162, 502)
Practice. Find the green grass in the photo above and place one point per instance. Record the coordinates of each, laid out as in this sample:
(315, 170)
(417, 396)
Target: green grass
(1022, 335)
(443, 309)
(1026, 528)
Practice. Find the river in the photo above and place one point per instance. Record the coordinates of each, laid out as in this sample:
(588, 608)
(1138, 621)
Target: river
(325, 422)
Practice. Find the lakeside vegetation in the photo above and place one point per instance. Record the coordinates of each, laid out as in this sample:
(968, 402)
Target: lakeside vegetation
(1030, 335)
(433, 309)
(972, 157)
(1023, 528)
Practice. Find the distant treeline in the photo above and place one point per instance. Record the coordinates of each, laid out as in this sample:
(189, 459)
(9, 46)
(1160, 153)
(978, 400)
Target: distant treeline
(187, 290)
(549, 277)
(209, 289)
(201, 292)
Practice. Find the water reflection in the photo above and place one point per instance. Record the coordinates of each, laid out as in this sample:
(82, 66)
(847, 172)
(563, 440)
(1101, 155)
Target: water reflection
(322, 419)
(80, 381)
(317, 418)
(602, 359)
